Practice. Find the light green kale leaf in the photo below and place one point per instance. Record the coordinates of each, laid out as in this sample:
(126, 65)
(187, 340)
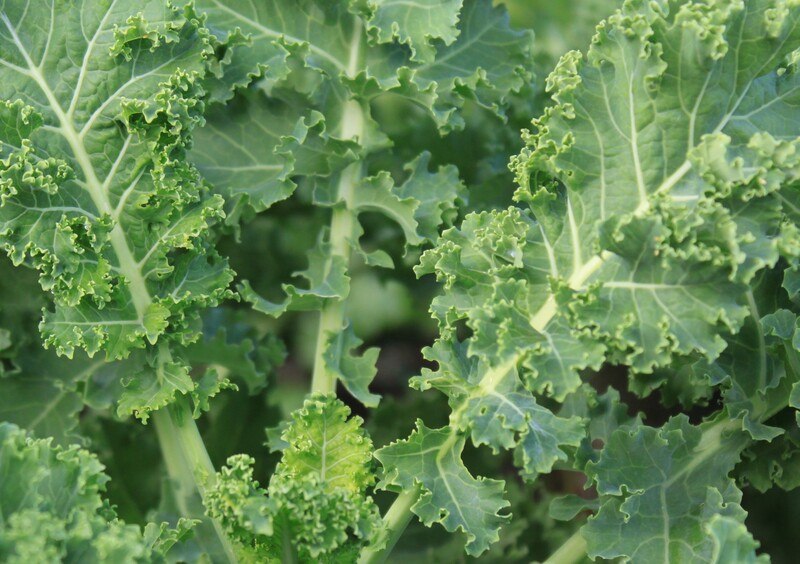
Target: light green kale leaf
(732, 542)
(53, 509)
(416, 24)
(97, 107)
(315, 506)
(326, 278)
(355, 371)
(502, 416)
(232, 349)
(253, 147)
(438, 195)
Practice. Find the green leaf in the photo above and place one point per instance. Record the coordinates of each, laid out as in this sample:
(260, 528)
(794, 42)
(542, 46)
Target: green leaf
(325, 443)
(431, 460)
(355, 372)
(317, 523)
(775, 463)
(97, 110)
(236, 355)
(207, 387)
(417, 24)
(661, 488)
(315, 506)
(162, 538)
(568, 507)
(237, 500)
(275, 31)
(500, 413)
(487, 63)
(251, 148)
(732, 542)
(655, 307)
(495, 271)
(423, 203)
(47, 408)
(327, 280)
(53, 509)
(39, 391)
(605, 413)
(439, 194)
(155, 386)
(377, 194)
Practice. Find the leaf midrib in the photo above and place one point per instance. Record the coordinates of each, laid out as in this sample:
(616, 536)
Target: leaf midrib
(127, 263)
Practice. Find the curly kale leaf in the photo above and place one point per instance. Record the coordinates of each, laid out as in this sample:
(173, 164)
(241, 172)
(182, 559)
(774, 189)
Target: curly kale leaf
(654, 196)
(315, 506)
(97, 106)
(53, 509)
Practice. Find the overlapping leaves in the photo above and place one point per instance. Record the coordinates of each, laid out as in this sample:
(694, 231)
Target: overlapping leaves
(53, 510)
(299, 81)
(316, 504)
(658, 188)
(656, 230)
(640, 272)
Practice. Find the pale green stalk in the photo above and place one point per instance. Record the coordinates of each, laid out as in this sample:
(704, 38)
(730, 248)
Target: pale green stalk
(571, 552)
(331, 317)
(395, 522)
(190, 470)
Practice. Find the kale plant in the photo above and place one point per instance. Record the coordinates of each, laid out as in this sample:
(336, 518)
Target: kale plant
(238, 231)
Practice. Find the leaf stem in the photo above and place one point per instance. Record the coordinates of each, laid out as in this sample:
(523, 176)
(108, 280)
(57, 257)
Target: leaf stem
(395, 522)
(572, 551)
(289, 550)
(331, 317)
(190, 470)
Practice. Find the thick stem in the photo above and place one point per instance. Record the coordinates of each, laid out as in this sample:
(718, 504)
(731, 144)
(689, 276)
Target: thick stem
(289, 550)
(331, 317)
(191, 472)
(395, 522)
(572, 551)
